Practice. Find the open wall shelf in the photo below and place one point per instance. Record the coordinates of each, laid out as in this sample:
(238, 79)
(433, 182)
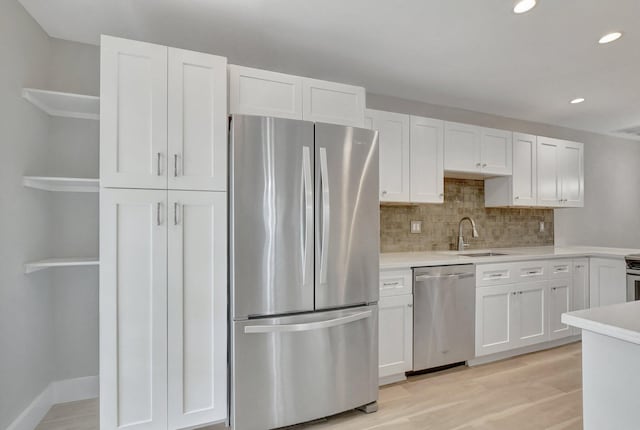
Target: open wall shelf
(64, 104)
(76, 185)
(34, 266)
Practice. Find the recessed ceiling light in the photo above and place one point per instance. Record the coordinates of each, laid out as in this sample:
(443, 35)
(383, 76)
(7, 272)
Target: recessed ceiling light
(611, 37)
(524, 6)
(576, 101)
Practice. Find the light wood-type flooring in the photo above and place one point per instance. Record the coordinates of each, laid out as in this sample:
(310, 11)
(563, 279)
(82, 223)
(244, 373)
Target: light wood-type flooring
(537, 391)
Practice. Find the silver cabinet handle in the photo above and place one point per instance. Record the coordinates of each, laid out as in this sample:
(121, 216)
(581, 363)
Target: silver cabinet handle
(159, 164)
(579, 266)
(517, 197)
(391, 284)
(478, 164)
(514, 293)
(326, 214)
(441, 195)
(409, 305)
(484, 165)
(384, 193)
(307, 326)
(158, 220)
(176, 208)
(175, 165)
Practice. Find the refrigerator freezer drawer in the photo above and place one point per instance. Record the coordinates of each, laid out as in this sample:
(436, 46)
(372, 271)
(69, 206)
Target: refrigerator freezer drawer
(295, 369)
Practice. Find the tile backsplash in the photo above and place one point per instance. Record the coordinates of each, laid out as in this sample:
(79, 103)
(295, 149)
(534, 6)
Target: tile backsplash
(497, 227)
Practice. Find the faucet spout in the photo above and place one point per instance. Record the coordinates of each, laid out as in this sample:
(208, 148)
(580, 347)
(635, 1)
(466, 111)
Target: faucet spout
(461, 244)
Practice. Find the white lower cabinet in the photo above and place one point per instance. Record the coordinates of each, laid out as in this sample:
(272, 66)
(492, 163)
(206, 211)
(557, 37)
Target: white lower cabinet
(580, 286)
(395, 335)
(162, 309)
(529, 316)
(607, 282)
(494, 326)
(560, 301)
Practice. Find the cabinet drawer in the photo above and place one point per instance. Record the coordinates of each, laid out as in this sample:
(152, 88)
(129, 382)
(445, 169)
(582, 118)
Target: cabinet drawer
(532, 271)
(495, 274)
(560, 269)
(396, 282)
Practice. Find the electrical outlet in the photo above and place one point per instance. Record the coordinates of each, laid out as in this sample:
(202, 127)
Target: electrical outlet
(416, 227)
(541, 226)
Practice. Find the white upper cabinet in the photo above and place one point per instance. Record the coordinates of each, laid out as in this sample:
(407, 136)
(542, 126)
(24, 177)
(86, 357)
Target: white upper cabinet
(461, 147)
(332, 103)
(163, 117)
(521, 188)
(476, 150)
(560, 168)
(495, 151)
(426, 160)
(395, 154)
(133, 114)
(133, 309)
(197, 308)
(197, 121)
(548, 167)
(572, 173)
(265, 93)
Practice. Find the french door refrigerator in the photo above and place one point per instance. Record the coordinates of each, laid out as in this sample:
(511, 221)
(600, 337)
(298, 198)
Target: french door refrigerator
(304, 268)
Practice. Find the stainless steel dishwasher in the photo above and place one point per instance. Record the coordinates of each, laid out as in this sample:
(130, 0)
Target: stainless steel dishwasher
(443, 315)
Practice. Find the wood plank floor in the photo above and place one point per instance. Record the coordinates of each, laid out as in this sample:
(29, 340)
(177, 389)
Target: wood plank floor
(537, 391)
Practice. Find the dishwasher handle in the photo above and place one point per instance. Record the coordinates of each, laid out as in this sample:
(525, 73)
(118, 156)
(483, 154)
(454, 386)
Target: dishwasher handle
(450, 276)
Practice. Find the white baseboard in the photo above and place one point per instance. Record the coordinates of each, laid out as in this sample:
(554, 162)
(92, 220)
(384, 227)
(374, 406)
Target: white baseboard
(391, 379)
(67, 390)
(520, 351)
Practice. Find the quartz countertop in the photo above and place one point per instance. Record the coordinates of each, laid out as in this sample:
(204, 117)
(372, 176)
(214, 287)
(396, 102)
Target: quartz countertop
(620, 321)
(407, 260)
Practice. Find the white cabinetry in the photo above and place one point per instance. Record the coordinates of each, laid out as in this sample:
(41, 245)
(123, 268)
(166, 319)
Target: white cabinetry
(133, 114)
(265, 93)
(560, 301)
(520, 189)
(560, 174)
(197, 307)
(477, 151)
(133, 309)
(163, 117)
(427, 160)
(395, 154)
(580, 284)
(163, 292)
(607, 282)
(395, 325)
(395, 346)
(494, 327)
(529, 317)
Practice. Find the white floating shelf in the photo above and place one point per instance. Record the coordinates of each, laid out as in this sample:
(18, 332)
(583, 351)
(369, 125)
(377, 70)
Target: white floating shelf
(34, 266)
(64, 104)
(75, 185)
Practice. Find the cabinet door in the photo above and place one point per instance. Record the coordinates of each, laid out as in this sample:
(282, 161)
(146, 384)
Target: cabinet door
(529, 316)
(260, 92)
(493, 319)
(560, 298)
(197, 129)
(197, 311)
(394, 144)
(572, 164)
(496, 151)
(548, 171)
(332, 103)
(133, 309)
(461, 148)
(395, 335)
(133, 114)
(607, 282)
(427, 160)
(580, 284)
(524, 170)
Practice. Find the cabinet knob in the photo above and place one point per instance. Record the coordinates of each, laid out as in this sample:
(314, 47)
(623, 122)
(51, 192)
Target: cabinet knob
(517, 197)
(478, 164)
(409, 306)
(484, 165)
(441, 194)
(384, 193)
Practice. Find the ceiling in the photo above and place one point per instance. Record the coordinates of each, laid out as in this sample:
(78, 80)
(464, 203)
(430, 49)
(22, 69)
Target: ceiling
(469, 54)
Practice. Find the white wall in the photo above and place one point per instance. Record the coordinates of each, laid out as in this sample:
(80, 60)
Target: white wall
(612, 174)
(26, 314)
(73, 151)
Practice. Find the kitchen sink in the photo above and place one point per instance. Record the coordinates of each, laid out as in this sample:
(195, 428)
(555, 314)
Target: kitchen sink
(481, 254)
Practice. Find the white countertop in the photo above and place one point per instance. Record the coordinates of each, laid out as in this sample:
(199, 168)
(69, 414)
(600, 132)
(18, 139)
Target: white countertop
(407, 260)
(618, 321)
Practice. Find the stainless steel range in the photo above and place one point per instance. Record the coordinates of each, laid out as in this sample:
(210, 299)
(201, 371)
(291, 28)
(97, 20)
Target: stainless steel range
(633, 277)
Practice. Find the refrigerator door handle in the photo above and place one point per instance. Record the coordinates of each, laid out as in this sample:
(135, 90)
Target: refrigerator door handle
(324, 184)
(307, 326)
(307, 254)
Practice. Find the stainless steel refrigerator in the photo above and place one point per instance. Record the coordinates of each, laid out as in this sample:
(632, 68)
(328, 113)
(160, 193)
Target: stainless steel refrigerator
(304, 268)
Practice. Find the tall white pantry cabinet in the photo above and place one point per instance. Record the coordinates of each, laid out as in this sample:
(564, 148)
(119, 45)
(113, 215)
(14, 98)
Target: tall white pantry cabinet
(163, 237)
